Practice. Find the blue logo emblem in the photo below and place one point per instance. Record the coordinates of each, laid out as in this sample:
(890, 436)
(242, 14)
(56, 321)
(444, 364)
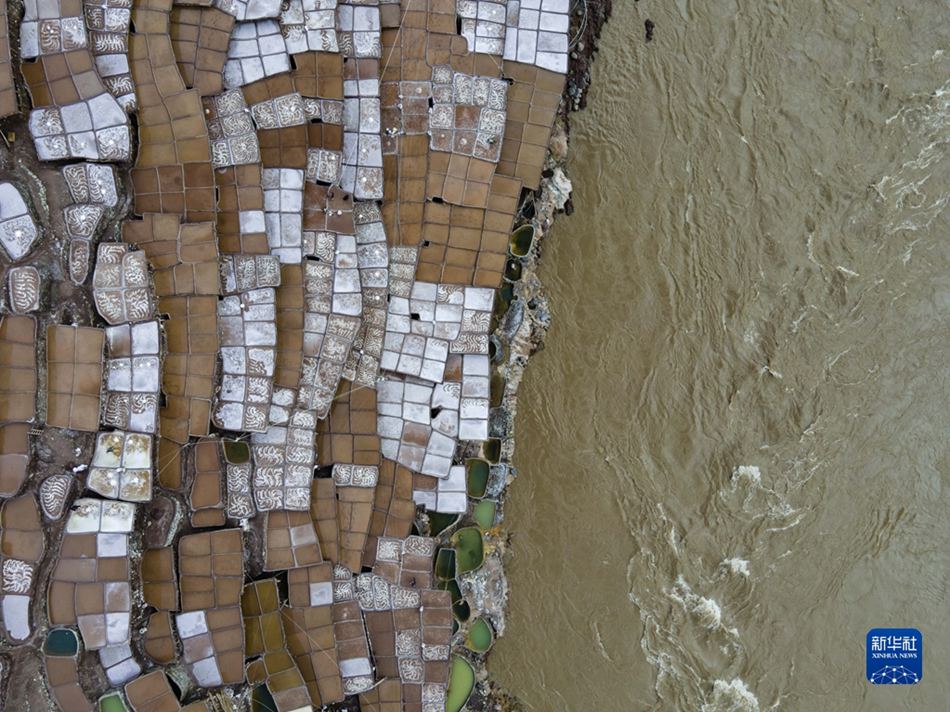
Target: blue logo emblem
(895, 656)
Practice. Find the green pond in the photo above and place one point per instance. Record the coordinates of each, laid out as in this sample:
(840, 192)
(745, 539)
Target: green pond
(452, 586)
(484, 514)
(491, 449)
(439, 522)
(521, 239)
(469, 552)
(445, 564)
(62, 642)
(478, 472)
(461, 610)
(236, 452)
(112, 703)
(461, 682)
(480, 636)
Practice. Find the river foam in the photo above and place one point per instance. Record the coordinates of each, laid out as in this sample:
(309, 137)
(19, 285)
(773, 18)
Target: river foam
(731, 696)
(737, 566)
(706, 611)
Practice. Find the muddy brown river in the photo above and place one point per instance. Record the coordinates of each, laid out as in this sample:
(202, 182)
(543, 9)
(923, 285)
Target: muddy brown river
(734, 455)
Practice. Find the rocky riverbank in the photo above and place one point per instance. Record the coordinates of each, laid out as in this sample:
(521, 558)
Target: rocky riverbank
(519, 334)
